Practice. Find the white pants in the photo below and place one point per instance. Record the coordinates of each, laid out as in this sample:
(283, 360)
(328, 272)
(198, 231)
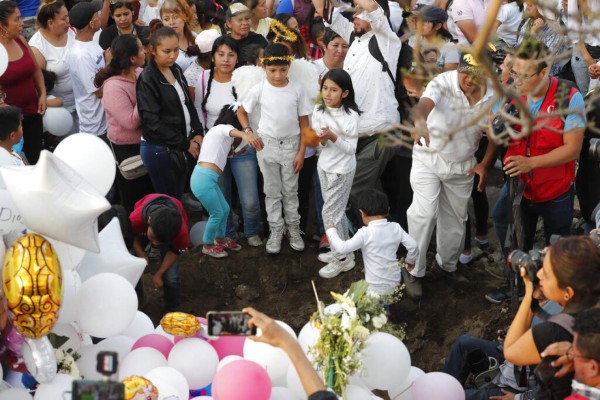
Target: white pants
(441, 195)
(276, 162)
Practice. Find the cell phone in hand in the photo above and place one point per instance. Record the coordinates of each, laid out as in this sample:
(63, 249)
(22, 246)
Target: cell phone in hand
(229, 323)
(544, 372)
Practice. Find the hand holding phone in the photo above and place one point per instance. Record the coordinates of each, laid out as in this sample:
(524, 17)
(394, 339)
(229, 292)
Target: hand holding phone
(544, 372)
(229, 323)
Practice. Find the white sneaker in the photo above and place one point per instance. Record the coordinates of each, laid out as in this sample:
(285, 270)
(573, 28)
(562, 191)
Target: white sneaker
(254, 241)
(329, 257)
(336, 267)
(274, 242)
(293, 235)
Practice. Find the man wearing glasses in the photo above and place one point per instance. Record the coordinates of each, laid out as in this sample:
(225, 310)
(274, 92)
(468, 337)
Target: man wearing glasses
(544, 161)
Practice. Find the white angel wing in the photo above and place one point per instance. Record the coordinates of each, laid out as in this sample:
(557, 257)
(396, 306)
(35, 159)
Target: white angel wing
(245, 78)
(305, 73)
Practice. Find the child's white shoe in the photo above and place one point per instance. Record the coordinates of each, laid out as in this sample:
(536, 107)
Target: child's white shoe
(336, 267)
(293, 235)
(274, 242)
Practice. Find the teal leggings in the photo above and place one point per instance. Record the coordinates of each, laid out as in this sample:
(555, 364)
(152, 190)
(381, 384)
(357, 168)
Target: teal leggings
(205, 186)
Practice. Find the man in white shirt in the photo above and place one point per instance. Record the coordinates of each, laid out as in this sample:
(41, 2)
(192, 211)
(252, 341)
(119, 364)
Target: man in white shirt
(447, 133)
(375, 95)
(85, 60)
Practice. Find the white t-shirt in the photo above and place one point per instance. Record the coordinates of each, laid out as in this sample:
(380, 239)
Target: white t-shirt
(184, 61)
(280, 108)
(193, 76)
(468, 10)
(452, 113)
(186, 113)
(338, 157)
(510, 17)
(220, 94)
(321, 68)
(85, 60)
(57, 62)
(264, 26)
(9, 158)
(216, 146)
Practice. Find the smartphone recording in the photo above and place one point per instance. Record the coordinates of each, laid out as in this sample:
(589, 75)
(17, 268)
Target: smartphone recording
(229, 323)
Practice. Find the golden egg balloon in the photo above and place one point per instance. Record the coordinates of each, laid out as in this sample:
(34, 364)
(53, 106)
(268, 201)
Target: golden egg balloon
(139, 388)
(180, 324)
(32, 285)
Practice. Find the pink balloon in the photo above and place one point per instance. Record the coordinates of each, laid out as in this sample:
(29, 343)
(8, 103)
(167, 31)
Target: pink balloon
(437, 385)
(228, 346)
(156, 341)
(241, 380)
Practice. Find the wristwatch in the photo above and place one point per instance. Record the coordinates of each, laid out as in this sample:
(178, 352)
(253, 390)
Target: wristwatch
(247, 129)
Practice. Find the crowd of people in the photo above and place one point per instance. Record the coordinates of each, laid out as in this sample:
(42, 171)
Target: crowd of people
(156, 80)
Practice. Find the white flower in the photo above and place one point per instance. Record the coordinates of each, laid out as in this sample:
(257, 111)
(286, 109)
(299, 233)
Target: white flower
(346, 322)
(351, 310)
(383, 317)
(360, 333)
(379, 321)
(367, 317)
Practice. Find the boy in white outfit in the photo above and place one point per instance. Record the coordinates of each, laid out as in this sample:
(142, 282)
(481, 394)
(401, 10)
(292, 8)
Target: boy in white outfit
(284, 111)
(378, 240)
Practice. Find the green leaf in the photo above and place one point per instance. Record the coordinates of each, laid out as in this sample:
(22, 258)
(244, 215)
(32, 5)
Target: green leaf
(56, 340)
(358, 290)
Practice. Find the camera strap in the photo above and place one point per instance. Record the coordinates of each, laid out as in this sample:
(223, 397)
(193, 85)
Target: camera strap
(562, 319)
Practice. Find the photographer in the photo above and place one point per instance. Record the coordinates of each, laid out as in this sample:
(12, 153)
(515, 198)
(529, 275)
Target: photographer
(570, 276)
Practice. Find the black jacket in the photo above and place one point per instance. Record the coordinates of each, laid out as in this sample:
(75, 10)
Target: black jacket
(111, 33)
(163, 120)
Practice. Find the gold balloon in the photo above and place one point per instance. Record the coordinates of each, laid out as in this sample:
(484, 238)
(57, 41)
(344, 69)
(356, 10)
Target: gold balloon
(180, 324)
(32, 284)
(139, 388)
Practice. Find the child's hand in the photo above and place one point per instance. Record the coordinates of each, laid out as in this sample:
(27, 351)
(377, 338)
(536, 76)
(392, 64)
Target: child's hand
(253, 140)
(298, 162)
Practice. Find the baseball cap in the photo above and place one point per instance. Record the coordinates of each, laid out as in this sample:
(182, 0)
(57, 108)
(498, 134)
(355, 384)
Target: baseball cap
(236, 9)
(467, 64)
(432, 14)
(205, 40)
(81, 14)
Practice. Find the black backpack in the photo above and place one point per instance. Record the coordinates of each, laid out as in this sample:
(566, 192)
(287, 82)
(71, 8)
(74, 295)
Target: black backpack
(405, 60)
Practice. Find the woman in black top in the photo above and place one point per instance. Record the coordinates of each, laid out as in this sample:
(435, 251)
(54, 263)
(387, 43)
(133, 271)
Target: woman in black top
(122, 13)
(238, 20)
(170, 124)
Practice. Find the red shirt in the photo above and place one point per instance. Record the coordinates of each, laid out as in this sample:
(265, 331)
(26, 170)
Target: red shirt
(18, 83)
(140, 227)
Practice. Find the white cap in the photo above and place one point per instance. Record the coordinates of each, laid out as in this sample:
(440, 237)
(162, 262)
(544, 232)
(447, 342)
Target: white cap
(205, 40)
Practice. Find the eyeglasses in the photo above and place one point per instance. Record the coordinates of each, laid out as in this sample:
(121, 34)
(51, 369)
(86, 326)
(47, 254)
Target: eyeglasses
(521, 77)
(571, 356)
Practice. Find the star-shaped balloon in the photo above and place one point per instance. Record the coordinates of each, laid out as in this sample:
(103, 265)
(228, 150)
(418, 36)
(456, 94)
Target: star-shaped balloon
(55, 201)
(113, 257)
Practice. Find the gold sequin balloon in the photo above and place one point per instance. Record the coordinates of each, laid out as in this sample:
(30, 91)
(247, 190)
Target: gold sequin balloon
(32, 284)
(180, 324)
(139, 388)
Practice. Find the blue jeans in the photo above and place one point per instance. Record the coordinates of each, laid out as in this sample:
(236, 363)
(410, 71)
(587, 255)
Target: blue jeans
(157, 161)
(455, 364)
(500, 217)
(580, 70)
(205, 187)
(244, 169)
(171, 283)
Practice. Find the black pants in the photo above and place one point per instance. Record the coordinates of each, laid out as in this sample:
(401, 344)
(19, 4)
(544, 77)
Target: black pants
(304, 185)
(33, 134)
(396, 184)
(132, 190)
(480, 202)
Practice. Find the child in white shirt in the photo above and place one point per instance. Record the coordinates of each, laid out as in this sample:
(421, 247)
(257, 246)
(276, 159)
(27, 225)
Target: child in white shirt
(378, 241)
(11, 132)
(216, 146)
(284, 111)
(336, 122)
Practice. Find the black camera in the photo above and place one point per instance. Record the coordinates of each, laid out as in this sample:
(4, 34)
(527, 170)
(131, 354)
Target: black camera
(499, 124)
(595, 149)
(531, 261)
(107, 365)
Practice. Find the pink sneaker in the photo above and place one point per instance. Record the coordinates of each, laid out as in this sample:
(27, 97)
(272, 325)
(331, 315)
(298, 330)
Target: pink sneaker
(230, 244)
(215, 251)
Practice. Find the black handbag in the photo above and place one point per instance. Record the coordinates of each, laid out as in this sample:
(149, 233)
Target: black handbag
(180, 161)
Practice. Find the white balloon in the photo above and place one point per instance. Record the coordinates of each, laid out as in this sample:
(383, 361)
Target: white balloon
(56, 202)
(10, 217)
(91, 158)
(3, 60)
(172, 377)
(402, 391)
(15, 394)
(113, 257)
(386, 361)
(106, 305)
(165, 390)
(140, 326)
(71, 285)
(196, 360)
(307, 337)
(69, 256)
(226, 360)
(202, 398)
(197, 232)
(69, 331)
(40, 358)
(87, 362)
(283, 393)
(357, 393)
(55, 390)
(140, 361)
(159, 330)
(273, 359)
(120, 344)
(2, 250)
(294, 383)
(58, 121)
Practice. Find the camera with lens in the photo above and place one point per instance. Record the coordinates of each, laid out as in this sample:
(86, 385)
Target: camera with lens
(531, 261)
(595, 149)
(107, 365)
(499, 124)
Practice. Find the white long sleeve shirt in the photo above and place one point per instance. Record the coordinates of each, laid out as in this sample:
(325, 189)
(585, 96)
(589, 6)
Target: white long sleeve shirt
(373, 87)
(379, 242)
(339, 156)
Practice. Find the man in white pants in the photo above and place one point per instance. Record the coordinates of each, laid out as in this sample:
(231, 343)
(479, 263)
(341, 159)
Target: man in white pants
(448, 126)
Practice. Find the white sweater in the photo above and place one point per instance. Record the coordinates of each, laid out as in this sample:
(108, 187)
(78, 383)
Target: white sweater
(338, 157)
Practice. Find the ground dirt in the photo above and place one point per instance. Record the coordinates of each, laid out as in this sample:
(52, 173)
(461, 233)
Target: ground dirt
(280, 285)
